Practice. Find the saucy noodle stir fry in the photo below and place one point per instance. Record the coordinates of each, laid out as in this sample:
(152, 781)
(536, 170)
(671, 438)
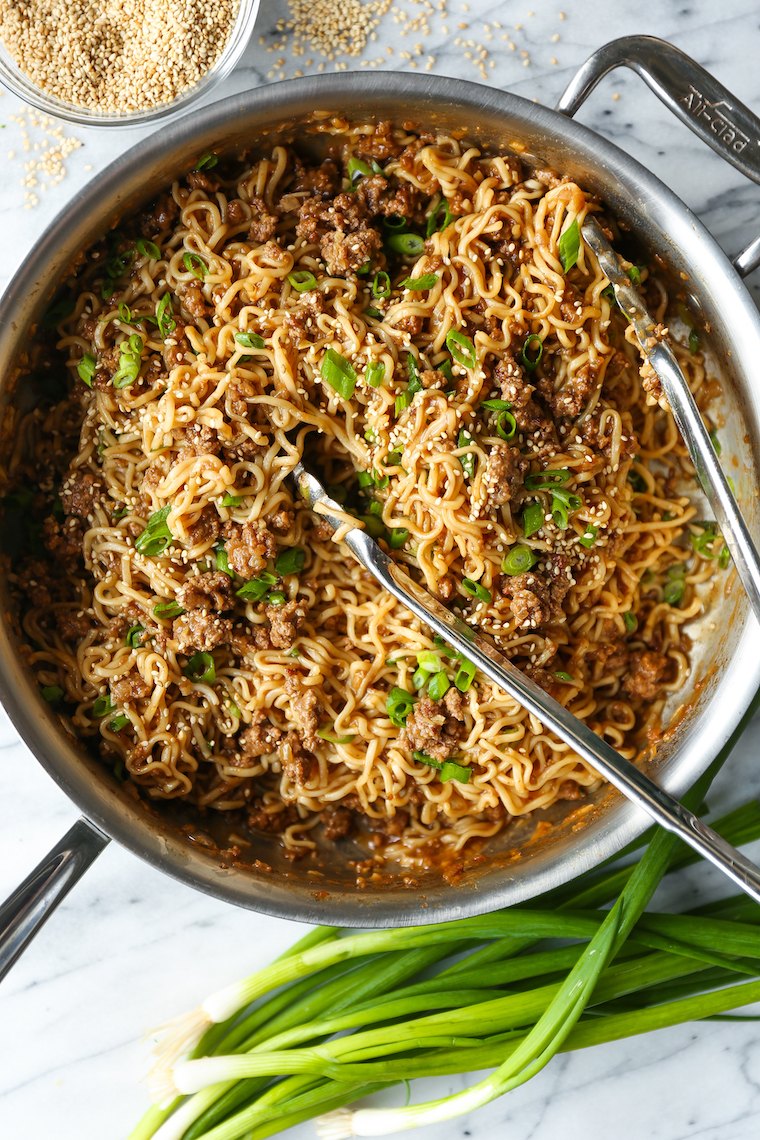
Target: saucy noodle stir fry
(425, 324)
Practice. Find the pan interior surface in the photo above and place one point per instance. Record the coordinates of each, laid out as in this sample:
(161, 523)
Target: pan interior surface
(516, 864)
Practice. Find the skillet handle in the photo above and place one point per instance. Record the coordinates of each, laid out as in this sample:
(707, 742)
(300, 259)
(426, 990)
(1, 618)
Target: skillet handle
(31, 904)
(692, 94)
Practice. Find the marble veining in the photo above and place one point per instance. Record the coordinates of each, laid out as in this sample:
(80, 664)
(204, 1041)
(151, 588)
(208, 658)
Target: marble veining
(130, 947)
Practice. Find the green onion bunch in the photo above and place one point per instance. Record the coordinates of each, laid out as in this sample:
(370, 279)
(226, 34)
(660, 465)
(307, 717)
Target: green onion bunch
(342, 1015)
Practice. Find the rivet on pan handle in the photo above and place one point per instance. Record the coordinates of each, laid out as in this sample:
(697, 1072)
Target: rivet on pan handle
(691, 93)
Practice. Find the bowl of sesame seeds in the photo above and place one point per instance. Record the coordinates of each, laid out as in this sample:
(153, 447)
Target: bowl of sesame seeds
(129, 63)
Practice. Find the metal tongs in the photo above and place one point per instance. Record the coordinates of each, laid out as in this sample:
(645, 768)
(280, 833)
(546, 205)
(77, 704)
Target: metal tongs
(481, 650)
(686, 413)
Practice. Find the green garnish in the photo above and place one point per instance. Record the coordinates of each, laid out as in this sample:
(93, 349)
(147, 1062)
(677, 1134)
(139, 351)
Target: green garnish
(129, 362)
(195, 265)
(518, 560)
(156, 537)
(375, 373)
(201, 669)
(566, 677)
(250, 340)
(673, 592)
(103, 706)
(532, 519)
(448, 769)
(461, 348)
(118, 723)
(290, 561)
(562, 503)
(134, 636)
(532, 363)
(357, 170)
(439, 686)
(302, 280)
(475, 590)
(86, 368)
(464, 439)
(693, 341)
(275, 598)
(255, 590)
(338, 373)
(397, 537)
(57, 314)
(166, 322)
(328, 733)
(52, 693)
(394, 222)
(427, 281)
(588, 537)
(398, 705)
(403, 401)
(148, 249)
(208, 162)
(408, 244)
(374, 313)
(548, 480)
(381, 286)
(631, 621)
(724, 558)
(569, 246)
(222, 561)
(435, 223)
(635, 275)
(717, 447)
(232, 500)
(167, 610)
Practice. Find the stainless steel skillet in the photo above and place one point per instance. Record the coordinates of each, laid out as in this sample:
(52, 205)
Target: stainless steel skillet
(726, 664)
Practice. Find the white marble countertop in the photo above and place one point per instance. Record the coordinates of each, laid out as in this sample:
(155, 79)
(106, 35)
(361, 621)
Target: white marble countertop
(130, 947)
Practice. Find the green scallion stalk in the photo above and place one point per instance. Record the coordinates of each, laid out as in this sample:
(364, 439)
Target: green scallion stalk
(569, 246)
(302, 280)
(338, 373)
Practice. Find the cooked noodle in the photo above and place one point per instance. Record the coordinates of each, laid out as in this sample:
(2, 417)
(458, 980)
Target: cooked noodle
(221, 705)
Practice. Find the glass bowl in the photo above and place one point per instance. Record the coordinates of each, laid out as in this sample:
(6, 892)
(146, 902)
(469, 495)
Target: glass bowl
(15, 80)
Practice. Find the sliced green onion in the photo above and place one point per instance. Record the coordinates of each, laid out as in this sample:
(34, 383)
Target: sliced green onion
(328, 733)
(569, 246)
(156, 537)
(398, 537)
(673, 592)
(394, 222)
(415, 384)
(134, 636)
(445, 368)
(377, 169)
(461, 348)
(232, 500)
(301, 280)
(393, 459)
(124, 312)
(532, 520)
(693, 341)
(255, 590)
(275, 598)
(195, 265)
(496, 405)
(357, 170)
(566, 677)
(465, 675)
(439, 686)
(532, 364)
(374, 313)
(475, 590)
(200, 668)
(562, 503)
(234, 709)
(338, 492)
(506, 426)
(52, 693)
(427, 281)
(365, 478)
(429, 660)
(408, 244)
(168, 610)
(129, 363)
(631, 621)
(678, 570)
(420, 678)
(381, 481)
(148, 249)
(464, 439)
(250, 340)
(381, 286)
(403, 401)
(609, 293)
(548, 480)
(588, 538)
(700, 542)
(375, 373)
(373, 525)
(715, 441)
(724, 558)
(435, 223)
(103, 706)
(452, 771)
(398, 705)
(635, 275)
(363, 270)
(519, 559)
(208, 162)
(290, 561)
(638, 482)
(118, 723)
(166, 322)
(86, 368)
(222, 561)
(338, 373)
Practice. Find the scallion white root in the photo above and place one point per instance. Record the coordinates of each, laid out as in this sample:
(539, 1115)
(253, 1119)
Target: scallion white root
(335, 1125)
(343, 1124)
(175, 1038)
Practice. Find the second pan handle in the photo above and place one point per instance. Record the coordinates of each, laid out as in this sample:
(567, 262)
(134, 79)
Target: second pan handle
(697, 98)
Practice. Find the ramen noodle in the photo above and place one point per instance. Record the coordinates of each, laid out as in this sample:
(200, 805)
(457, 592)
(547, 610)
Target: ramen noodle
(425, 325)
